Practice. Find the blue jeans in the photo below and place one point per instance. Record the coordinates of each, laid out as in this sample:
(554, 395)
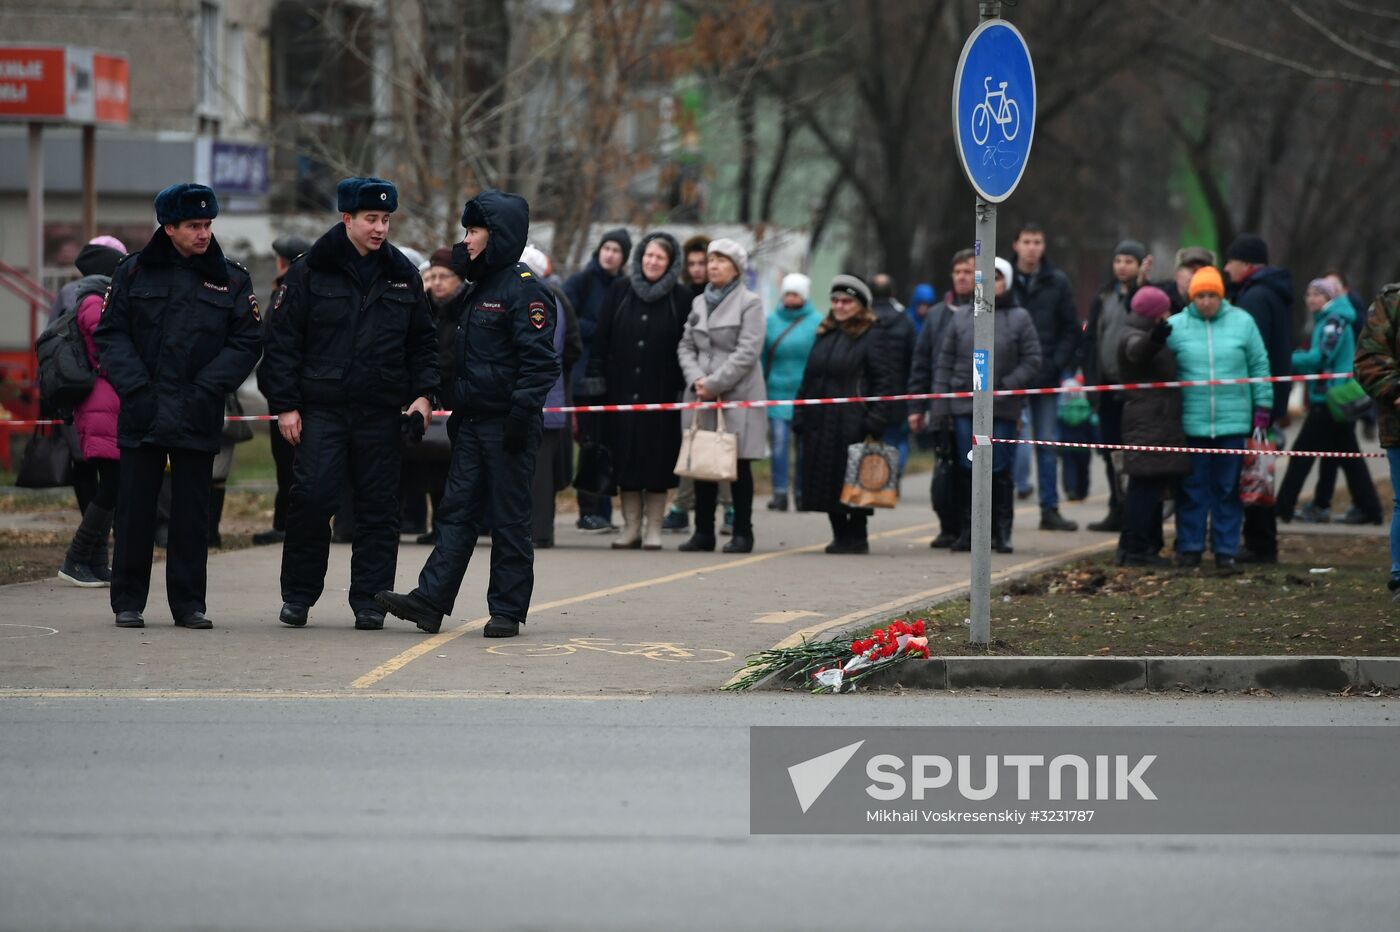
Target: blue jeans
(1393, 455)
(1077, 462)
(785, 446)
(897, 436)
(1003, 454)
(1210, 492)
(1023, 456)
(1045, 425)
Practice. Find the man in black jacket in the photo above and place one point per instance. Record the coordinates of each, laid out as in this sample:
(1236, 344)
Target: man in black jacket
(285, 249)
(350, 345)
(506, 365)
(1045, 292)
(1108, 318)
(179, 331)
(946, 490)
(1266, 293)
(898, 335)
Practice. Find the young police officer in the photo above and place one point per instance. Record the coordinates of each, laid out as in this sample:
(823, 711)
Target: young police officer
(180, 330)
(350, 343)
(506, 365)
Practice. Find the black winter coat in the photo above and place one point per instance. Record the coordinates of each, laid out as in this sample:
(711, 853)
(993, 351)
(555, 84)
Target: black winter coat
(899, 337)
(1049, 298)
(505, 338)
(926, 352)
(176, 336)
(447, 314)
(1090, 360)
(1151, 418)
(846, 360)
(634, 353)
(1268, 296)
(1015, 361)
(588, 291)
(333, 340)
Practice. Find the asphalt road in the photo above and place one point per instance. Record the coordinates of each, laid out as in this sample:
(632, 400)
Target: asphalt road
(618, 813)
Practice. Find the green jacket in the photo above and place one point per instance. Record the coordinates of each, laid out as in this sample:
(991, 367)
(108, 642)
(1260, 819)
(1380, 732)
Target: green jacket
(1332, 348)
(1226, 347)
(1377, 364)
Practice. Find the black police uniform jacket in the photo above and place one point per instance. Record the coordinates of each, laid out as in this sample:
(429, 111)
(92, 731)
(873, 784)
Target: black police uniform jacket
(505, 337)
(332, 341)
(177, 335)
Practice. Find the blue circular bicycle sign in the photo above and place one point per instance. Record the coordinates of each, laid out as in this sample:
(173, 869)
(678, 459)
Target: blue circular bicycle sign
(994, 108)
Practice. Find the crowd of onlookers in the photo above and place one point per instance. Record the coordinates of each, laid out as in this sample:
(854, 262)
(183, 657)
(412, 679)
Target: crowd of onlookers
(665, 320)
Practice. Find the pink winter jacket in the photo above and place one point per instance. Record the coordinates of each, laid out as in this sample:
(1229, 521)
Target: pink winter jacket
(95, 417)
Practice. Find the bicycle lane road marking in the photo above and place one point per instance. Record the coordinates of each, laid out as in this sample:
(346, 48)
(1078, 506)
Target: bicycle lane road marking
(918, 599)
(442, 638)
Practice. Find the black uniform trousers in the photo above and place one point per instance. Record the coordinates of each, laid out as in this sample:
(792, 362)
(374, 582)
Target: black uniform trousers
(358, 447)
(485, 484)
(142, 471)
(283, 455)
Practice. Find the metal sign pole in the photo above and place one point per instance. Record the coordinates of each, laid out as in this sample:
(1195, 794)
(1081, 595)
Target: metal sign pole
(36, 220)
(983, 378)
(984, 361)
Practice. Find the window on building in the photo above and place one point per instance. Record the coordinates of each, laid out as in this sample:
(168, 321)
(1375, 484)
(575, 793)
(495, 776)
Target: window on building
(209, 34)
(236, 85)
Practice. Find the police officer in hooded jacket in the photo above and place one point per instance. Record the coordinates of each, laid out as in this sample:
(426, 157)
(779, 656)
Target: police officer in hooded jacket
(179, 331)
(350, 344)
(506, 364)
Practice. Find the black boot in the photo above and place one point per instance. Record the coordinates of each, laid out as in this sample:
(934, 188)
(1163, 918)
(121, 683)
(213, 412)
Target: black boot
(216, 513)
(76, 568)
(100, 561)
(1112, 522)
(1003, 509)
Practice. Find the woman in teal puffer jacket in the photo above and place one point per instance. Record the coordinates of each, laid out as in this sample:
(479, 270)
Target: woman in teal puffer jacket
(792, 329)
(1332, 348)
(1213, 339)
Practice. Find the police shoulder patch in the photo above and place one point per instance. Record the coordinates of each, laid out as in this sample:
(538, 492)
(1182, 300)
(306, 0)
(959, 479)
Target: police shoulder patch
(279, 296)
(537, 315)
(106, 297)
(253, 302)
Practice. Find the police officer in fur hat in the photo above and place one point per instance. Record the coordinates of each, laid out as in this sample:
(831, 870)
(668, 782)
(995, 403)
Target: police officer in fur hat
(350, 345)
(180, 330)
(506, 365)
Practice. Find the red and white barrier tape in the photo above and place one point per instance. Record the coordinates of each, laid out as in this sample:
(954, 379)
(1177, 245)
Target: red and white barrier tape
(980, 441)
(804, 402)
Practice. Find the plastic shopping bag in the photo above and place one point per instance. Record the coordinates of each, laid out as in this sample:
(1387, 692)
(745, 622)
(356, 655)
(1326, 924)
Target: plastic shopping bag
(1257, 476)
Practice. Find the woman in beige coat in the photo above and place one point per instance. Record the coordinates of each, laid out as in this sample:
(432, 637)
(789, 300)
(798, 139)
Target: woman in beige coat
(719, 354)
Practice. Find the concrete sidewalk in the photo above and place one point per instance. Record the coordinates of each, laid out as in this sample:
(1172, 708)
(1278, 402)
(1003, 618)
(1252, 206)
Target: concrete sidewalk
(602, 621)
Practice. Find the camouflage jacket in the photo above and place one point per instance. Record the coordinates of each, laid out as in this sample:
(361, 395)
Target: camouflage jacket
(1377, 365)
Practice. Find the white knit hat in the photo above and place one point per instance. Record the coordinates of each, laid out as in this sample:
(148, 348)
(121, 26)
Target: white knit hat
(535, 258)
(1004, 268)
(731, 251)
(797, 284)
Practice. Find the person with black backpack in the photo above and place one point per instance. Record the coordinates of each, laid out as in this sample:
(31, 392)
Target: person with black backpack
(94, 415)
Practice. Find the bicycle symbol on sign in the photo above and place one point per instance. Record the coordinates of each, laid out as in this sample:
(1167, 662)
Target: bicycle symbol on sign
(1005, 114)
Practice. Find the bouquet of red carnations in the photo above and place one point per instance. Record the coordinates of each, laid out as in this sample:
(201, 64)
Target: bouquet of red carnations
(840, 664)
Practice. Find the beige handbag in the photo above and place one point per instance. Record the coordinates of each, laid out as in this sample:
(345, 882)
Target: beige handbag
(709, 455)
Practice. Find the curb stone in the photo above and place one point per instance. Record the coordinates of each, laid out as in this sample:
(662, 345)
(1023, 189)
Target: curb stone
(1275, 674)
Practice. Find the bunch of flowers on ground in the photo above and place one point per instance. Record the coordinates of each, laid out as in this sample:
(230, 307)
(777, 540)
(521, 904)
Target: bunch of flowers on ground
(840, 664)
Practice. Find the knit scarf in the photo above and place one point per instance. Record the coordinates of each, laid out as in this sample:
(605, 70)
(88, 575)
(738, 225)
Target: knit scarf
(715, 296)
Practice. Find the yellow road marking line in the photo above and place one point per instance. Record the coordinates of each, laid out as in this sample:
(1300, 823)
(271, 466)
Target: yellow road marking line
(806, 634)
(442, 638)
(783, 617)
(272, 694)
